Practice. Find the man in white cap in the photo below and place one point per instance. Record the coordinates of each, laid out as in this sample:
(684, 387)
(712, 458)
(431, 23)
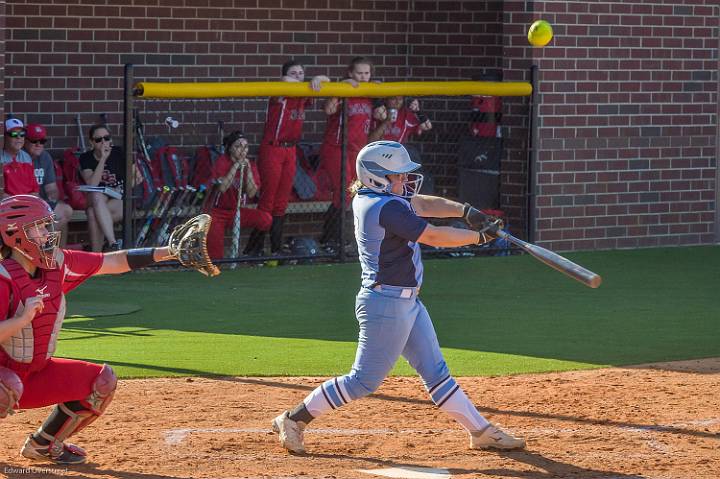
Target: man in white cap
(18, 174)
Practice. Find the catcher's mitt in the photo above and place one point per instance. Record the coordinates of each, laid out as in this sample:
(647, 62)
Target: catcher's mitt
(188, 244)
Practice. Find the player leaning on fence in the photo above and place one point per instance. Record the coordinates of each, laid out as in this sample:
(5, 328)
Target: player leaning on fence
(389, 228)
(359, 118)
(277, 158)
(35, 275)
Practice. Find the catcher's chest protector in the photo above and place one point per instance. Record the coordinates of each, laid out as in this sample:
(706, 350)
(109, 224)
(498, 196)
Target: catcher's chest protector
(29, 348)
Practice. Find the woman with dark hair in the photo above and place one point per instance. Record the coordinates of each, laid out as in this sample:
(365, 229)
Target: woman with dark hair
(104, 165)
(278, 152)
(235, 175)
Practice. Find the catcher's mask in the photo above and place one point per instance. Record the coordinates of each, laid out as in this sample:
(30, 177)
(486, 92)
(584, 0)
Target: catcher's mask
(382, 158)
(27, 225)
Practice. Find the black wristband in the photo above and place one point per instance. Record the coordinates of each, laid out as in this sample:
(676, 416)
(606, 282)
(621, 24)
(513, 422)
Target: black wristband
(140, 257)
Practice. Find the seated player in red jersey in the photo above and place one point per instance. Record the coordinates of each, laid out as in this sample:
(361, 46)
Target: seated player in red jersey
(235, 175)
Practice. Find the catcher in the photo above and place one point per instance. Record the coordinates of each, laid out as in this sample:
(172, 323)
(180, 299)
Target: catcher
(34, 277)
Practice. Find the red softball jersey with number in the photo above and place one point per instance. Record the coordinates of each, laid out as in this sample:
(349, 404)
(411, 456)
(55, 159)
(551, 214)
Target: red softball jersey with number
(284, 121)
(28, 349)
(359, 118)
(405, 125)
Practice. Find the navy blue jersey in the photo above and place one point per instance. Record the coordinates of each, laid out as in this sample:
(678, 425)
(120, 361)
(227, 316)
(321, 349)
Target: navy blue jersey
(386, 230)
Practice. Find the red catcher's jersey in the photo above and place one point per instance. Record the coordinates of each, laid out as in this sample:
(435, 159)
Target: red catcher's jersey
(30, 348)
(228, 200)
(359, 117)
(284, 121)
(406, 124)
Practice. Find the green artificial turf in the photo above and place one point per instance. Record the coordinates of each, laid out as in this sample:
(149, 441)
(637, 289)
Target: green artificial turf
(493, 316)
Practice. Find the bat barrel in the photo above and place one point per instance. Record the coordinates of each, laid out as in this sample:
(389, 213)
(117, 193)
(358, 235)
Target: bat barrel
(555, 261)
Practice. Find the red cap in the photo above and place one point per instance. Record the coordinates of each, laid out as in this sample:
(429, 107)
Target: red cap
(35, 131)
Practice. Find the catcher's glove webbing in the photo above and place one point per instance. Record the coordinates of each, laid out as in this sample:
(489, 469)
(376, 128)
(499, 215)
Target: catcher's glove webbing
(188, 244)
(486, 225)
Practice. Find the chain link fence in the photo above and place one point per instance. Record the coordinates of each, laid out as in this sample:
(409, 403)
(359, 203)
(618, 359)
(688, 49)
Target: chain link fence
(181, 157)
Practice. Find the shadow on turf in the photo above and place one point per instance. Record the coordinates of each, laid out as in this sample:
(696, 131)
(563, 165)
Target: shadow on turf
(384, 397)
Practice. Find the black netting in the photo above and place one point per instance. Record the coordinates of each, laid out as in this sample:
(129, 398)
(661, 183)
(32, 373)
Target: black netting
(460, 146)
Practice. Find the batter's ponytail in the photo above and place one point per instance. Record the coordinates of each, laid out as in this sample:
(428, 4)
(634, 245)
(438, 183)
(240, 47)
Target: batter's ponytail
(355, 187)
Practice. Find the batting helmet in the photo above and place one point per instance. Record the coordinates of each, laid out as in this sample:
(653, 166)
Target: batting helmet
(382, 158)
(27, 225)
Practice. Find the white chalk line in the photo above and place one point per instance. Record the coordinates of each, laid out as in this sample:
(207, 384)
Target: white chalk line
(177, 436)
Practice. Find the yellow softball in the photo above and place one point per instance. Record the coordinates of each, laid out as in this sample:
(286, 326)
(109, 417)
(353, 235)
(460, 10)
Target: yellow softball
(540, 33)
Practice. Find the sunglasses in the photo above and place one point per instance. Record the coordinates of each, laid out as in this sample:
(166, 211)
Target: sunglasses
(38, 142)
(15, 134)
(100, 139)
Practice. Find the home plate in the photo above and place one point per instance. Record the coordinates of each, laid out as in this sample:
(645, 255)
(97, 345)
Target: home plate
(409, 472)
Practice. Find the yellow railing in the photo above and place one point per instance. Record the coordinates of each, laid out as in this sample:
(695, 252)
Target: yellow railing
(279, 88)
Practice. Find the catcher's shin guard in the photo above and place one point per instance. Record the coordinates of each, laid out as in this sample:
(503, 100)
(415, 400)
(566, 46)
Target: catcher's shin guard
(11, 388)
(48, 443)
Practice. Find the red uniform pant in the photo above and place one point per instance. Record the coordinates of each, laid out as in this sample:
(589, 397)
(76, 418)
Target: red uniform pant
(277, 166)
(223, 219)
(331, 161)
(61, 380)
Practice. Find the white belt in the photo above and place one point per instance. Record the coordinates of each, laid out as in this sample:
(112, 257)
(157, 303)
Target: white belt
(404, 293)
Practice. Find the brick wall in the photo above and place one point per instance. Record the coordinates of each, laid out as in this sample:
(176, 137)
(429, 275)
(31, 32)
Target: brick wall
(628, 95)
(66, 58)
(628, 122)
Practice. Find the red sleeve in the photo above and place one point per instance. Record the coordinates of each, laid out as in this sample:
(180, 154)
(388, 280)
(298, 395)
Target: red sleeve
(5, 290)
(79, 266)
(221, 167)
(414, 122)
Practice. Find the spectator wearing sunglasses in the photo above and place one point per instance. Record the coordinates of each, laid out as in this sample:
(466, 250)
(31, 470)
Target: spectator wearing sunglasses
(18, 174)
(103, 166)
(35, 139)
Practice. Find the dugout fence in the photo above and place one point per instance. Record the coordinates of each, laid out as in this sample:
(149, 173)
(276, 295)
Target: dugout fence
(174, 137)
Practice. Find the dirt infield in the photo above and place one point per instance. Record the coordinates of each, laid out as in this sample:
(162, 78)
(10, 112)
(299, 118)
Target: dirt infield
(655, 421)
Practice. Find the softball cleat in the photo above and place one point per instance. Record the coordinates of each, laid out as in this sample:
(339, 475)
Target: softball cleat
(56, 452)
(290, 432)
(493, 437)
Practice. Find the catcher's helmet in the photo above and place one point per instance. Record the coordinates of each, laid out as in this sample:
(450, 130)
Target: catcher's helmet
(27, 225)
(381, 158)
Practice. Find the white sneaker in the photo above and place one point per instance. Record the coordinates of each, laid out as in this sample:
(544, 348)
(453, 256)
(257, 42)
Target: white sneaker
(290, 432)
(494, 438)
